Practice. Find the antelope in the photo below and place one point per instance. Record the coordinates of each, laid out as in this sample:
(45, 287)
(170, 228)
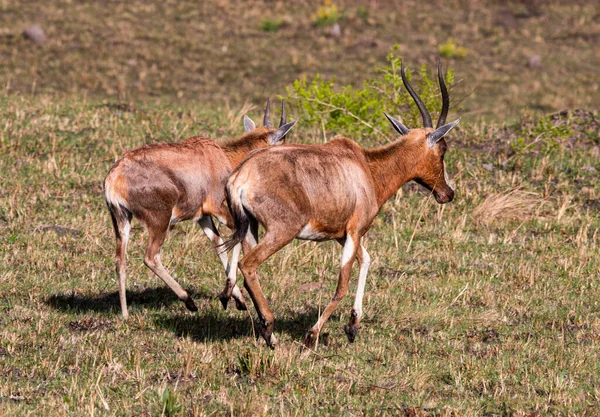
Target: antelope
(161, 184)
(330, 191)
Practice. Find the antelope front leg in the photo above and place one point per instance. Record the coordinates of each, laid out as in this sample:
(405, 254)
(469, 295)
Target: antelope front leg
(351, 245)
(352, 327)
(231, 288)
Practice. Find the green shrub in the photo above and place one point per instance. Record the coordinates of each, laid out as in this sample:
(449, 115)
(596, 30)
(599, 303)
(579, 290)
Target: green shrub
(359, 111)
(544, 134)
(270, 25)
(450, 49)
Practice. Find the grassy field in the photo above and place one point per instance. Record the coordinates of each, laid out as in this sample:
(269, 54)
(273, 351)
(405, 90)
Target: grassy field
(488, 306)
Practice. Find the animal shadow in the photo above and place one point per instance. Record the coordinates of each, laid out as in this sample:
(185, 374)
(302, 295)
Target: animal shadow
(208, 324)
(154, 298)
(215, 325)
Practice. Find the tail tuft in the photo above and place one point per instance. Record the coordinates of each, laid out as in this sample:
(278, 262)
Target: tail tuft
(240, 219)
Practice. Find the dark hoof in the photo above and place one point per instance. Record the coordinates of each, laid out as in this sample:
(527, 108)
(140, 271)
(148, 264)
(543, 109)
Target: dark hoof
(310, 340)
(270, 340)
(266, 331)
(350, 332)
(190, 305)
(240, 305)
(224, 300)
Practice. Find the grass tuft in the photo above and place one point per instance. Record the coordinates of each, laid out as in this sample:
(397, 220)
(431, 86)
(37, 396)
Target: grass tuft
(515, 204)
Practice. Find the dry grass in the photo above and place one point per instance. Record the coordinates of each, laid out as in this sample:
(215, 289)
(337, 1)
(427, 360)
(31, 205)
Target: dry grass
(470, 320)
(514, 204)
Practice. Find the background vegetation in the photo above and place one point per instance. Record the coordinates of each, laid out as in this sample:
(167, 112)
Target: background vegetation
(486, 306)
(508, 55)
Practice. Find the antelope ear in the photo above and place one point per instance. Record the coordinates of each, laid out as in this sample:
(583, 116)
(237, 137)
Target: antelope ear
(276, 136)
(248, 124)
(400, 128)
(435, 136)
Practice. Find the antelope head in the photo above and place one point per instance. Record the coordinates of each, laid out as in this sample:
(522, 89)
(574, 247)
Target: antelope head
(271, 135)
(427, 144)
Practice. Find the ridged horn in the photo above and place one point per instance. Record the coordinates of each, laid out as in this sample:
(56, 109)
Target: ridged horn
(282, 121)
(445, 96)
(424, 113)
(267, 118)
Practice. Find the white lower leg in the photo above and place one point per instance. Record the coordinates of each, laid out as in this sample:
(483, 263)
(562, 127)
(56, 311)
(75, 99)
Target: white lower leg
(232, 275)
(251, 239)
(347, 257)
(121, 269)
(211, 233)
(362, 281)
(230, 267)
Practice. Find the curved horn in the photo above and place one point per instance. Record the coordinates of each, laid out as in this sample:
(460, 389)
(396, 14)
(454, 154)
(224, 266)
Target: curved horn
(282, 121)
(445, 96)
(267, 118)
(424, 113)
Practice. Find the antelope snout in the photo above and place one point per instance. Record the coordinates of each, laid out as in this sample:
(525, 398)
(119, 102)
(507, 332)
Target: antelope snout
(444, 196)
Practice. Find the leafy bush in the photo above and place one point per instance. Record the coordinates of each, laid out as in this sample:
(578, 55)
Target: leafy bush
(362, 12)
(359, 111)
(450, 49)
(545, 134)
(271, 25)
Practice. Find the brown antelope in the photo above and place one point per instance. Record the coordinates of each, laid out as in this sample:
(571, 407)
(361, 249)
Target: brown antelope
(330, 191)
(164, 183)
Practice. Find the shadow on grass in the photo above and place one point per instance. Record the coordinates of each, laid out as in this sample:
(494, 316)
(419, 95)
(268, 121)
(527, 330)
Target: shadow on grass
(205, 325)
(155, 298)
(214, 325)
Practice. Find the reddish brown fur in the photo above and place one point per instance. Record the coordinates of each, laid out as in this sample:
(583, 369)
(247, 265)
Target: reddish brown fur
(391, 166)
(163, 183)
(186, 178)
(321, 192)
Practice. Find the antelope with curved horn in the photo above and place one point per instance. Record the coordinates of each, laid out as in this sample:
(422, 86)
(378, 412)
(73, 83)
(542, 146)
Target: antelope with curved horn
(330, 191)
(164, 183)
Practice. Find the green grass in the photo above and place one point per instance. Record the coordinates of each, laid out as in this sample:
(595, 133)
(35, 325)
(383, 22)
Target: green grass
(465, 314)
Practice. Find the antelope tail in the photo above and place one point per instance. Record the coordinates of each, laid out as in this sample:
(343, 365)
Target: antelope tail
(240, 218)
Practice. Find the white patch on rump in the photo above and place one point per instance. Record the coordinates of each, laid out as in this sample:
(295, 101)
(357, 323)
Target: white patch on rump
(112, 196)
